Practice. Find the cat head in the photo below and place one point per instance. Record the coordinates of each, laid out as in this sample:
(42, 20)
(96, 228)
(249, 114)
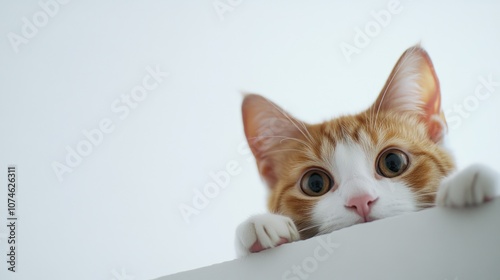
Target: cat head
(385, 161)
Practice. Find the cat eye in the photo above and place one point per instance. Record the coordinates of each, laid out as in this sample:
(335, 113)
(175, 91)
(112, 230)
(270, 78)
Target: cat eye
(316, 182)
(392, 163)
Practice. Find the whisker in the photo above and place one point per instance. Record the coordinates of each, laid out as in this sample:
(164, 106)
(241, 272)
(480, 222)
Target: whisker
(399, 67)
(291, 121)
(307, 131)
(309, 227)
(285, 150)
(283, 138)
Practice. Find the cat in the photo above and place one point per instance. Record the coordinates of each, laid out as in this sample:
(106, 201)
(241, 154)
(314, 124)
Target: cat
(385, 161)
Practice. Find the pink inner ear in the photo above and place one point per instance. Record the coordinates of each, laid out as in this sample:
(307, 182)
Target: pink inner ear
(437, 127)
(413, 87)
(266, 126)
(431, 97)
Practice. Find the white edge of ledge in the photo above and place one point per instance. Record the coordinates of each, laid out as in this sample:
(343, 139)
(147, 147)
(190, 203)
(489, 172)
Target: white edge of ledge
(436, 243)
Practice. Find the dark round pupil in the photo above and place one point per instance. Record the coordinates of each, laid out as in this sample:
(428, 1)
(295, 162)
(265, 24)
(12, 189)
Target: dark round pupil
(393, 162)
(315, 183)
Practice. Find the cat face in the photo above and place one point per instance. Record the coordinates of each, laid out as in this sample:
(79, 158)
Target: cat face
(385, 161)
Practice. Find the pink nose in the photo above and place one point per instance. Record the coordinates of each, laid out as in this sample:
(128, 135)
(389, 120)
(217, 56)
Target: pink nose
(362, 204)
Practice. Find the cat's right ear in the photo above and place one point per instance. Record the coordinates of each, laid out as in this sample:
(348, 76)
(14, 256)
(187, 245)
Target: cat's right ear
(267, 126)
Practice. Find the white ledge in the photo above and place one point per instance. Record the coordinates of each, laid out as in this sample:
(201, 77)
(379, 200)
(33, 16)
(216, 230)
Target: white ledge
(438, 243)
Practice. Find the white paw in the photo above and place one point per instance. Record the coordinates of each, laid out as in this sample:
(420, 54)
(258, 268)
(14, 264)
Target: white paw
(471, 186)
(264, 231)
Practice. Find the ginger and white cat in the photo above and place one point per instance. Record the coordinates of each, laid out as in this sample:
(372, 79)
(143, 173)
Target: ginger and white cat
(385, 161)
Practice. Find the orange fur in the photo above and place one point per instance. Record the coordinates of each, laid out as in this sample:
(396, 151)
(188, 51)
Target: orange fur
(430, 163)
(285, 148)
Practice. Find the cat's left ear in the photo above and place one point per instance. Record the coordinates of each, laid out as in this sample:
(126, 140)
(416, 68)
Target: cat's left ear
(413, 87)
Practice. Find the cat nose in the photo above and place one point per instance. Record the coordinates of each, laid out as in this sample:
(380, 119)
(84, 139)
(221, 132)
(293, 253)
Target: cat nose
(362, 204)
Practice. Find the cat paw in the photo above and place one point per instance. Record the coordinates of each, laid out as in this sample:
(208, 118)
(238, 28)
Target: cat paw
(472, 186)
(264, 231)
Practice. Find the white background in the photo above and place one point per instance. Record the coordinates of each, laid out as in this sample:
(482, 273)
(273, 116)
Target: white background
(118, 213)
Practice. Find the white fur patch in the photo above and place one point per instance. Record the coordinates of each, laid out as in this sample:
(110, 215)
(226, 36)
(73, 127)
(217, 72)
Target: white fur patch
(354, 174)
(469, 187)
(266, 228)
